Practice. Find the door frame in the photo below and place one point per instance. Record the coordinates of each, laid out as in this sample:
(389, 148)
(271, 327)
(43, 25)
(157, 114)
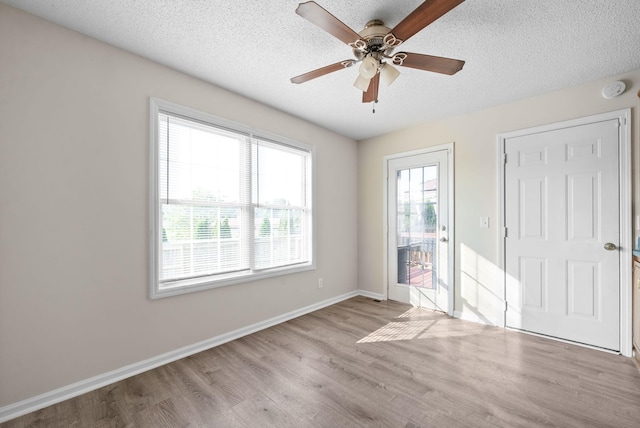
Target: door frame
(625, 201)
(449, 147)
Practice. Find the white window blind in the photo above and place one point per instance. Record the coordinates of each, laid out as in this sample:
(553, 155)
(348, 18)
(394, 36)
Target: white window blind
(230, 205)
(280, 200)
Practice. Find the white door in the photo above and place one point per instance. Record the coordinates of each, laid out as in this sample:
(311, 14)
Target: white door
(562, 218)
(418, 230)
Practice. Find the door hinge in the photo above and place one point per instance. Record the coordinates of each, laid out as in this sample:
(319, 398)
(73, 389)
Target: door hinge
(506, 305)
(505, 232)
(504, 158)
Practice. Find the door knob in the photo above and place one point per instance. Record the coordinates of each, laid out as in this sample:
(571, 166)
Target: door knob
(609, 246)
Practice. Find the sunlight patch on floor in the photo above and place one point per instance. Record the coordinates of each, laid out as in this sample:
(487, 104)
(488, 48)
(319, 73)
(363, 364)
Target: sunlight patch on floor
(419, 323)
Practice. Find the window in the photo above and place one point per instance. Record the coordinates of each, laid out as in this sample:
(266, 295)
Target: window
(228, 204)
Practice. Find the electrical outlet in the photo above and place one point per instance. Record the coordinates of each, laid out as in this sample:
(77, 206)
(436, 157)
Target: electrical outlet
(320, 283)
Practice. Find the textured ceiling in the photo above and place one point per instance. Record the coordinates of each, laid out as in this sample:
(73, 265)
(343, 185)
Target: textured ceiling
(513, 50)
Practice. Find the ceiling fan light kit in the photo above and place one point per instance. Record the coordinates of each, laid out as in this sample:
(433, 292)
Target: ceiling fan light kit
(388, 73)
(369, 67)
(362, 83)
(373, 46)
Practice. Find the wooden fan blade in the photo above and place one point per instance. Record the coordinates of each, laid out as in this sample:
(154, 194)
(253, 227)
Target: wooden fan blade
(436, 64)
(372, 93)
(322, 71)
(424, 15)
(319, 16)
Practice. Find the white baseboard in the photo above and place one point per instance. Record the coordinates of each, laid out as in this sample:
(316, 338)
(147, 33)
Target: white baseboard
(470, 316)
(57, 395)
(371, 295)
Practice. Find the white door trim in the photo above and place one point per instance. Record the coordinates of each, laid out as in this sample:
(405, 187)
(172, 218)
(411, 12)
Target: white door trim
(626, 231)
(450, 220)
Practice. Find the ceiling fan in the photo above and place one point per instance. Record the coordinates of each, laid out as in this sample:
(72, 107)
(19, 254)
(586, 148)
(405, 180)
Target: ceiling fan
(373, 46)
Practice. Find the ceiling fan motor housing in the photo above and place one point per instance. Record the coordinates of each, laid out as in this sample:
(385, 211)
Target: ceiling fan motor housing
(374, 33)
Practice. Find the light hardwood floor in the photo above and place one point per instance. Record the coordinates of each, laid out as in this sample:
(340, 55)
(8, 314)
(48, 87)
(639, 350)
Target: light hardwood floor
(362, 363)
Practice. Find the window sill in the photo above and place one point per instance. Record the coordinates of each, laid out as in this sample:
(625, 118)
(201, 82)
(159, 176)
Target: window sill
(206, 283)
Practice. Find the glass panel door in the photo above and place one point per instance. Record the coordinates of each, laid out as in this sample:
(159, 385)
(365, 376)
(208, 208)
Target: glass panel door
(417, 247)
(417, 217)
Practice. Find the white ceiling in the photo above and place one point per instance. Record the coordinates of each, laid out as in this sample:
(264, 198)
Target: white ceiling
(513, 50)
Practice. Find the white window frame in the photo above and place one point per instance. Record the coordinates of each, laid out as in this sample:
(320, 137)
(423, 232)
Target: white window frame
(158, 106)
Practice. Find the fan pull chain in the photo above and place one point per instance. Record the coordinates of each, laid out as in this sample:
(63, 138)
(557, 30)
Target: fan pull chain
(374, 106)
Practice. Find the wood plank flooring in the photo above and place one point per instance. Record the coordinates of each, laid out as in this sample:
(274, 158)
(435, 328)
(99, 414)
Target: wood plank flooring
(362, 363)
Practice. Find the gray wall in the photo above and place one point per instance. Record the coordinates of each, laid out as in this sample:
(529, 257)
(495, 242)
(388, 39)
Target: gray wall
(74, 143)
